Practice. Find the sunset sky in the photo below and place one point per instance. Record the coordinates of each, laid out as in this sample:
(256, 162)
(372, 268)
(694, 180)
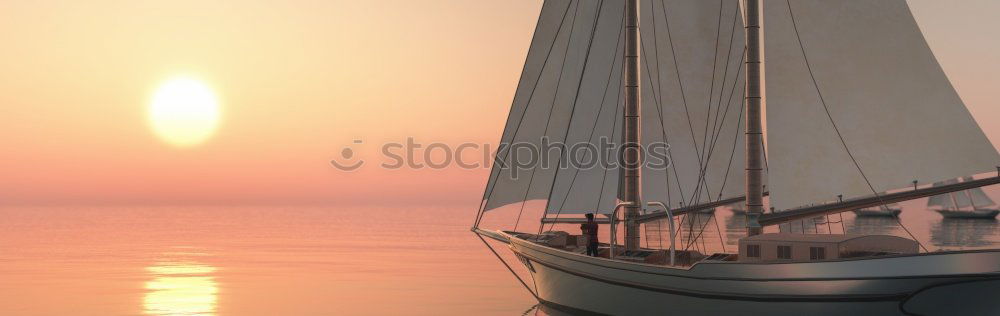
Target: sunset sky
(298, 81)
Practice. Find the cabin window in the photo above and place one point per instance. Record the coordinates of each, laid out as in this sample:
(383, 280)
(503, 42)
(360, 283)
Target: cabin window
(753, 251)
(817, 253)
(784, 252)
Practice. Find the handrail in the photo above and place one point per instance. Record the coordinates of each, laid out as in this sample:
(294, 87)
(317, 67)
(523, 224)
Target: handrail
(670, 219)
(614, 230)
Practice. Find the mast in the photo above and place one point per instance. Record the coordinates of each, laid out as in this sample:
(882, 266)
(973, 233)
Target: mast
(754, 132)
(632, 163)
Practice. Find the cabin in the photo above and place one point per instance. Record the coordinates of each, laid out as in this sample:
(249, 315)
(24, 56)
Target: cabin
(780, 247)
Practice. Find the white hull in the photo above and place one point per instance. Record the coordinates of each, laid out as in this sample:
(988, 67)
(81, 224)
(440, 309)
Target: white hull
(977, 214)
(922, 284)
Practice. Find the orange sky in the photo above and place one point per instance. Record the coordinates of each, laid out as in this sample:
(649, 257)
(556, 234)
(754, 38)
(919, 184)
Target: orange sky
(298, 81)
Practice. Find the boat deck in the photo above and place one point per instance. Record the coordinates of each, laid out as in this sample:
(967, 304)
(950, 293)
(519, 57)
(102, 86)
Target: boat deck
(575, 244)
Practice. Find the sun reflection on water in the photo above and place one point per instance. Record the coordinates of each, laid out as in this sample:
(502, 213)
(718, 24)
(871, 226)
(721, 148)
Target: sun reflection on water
(181, 288)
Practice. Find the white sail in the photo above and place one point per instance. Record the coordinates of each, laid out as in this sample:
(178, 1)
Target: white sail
(962, 199)
(942, 201)
(979, 198)
(597, 118)
(851, 85)
(551, 76)
(571, 92)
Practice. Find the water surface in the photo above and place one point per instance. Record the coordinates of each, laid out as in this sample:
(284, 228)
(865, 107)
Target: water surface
(249, 261)
(313, 260)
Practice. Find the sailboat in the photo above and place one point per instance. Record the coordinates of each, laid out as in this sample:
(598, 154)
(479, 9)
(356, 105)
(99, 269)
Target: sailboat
(856, 105)
(891, 210)
(738, 208)
(707, 211)
(950, 205)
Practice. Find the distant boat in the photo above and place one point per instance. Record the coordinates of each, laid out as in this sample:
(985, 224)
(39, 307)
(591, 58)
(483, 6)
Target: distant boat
(889, 210)
(738, 208)
(951, 205)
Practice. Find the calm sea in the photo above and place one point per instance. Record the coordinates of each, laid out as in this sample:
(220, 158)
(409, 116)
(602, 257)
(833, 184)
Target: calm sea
(303, 260)
(249, 261)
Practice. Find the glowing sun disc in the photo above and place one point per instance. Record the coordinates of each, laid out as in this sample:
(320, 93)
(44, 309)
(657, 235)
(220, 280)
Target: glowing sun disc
(184, 112)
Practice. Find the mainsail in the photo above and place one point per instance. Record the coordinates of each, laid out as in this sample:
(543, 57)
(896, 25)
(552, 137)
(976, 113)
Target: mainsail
(571, 92)
(979, 198)
(943, 201)
(837, 73)
(540, 110)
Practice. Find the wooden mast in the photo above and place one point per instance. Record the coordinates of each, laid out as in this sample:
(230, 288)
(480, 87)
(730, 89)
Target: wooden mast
(754, 131)
(632, 158)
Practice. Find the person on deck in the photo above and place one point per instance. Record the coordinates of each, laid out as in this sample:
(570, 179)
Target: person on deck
(590, 234)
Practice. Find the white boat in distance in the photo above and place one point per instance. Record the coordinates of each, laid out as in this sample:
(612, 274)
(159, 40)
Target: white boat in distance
(888, 211)
(856, 105)
(891, 210)
(951, 205)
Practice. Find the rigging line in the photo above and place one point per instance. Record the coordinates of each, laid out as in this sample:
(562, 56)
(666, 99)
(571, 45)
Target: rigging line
(614, 125)
(482, 204)
(663, 129)
(680, 83)
(717, 130)
(701, 153)
(562, 70)
(711, 89)
(658, 98)
(614, 129)
(695, 217)
(732, 38)
(597, 118)
(763, 152)
(703, 172)
(719, 230)
(842, 227)
(487, 196)
(728, 168)
(656, 53)
(700, 231)
(518, 277)
(805, 57)
(739, 121)
(732, 44)
(732, 155)
(533, 308)
(704, 243)
(576, 99)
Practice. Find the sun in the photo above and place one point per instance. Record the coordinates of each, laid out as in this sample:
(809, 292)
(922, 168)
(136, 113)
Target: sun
(184, 112)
